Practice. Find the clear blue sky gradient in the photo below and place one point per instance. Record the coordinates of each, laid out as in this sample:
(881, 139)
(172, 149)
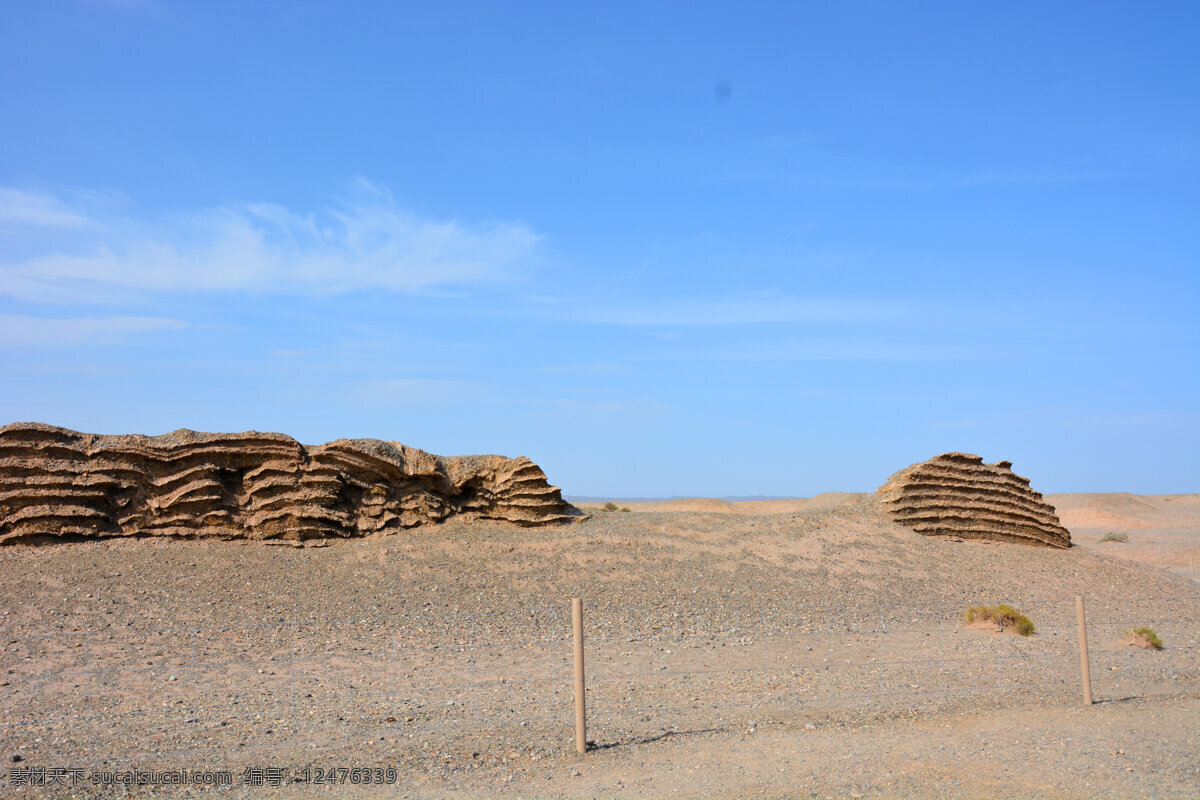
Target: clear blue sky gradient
(661, 249)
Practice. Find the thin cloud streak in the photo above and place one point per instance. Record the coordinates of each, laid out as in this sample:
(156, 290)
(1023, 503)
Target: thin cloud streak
(39, 332)
(22, 209)
(882, 348)
(369, 244)
(1072, 417)
(392, 392)
(748, 311)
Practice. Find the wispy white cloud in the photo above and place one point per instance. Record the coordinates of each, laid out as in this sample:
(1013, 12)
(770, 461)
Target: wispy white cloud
(365, 243)
(603, 413)
(1181, 419)
(885, 346)
(748, 310)
(583, 405)
(25, 209)
(1029, 177)
(1072, 417)
(416, 392)
(594, 368)
(152, 8)
(785, 141)
(814, 159)
(21, 332)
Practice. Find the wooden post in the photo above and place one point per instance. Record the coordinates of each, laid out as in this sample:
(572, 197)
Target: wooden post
(1084, 672)
(580, 687)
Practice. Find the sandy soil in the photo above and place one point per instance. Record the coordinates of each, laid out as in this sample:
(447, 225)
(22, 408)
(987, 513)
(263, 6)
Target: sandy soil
(729, 654)
(1163, 529)
(825, 501)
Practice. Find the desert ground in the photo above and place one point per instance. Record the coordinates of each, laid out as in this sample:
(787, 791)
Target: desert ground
(797, 648)
(1161, 529)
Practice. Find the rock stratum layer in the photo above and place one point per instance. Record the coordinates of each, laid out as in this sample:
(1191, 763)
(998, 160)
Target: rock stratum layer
(956, 494)
(60, 483)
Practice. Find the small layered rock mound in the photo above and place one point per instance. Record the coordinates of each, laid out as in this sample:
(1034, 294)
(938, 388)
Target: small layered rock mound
(57, 482)
(956, 494)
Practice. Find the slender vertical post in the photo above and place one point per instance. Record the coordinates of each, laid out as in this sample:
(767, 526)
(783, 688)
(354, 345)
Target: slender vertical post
(580, 703)
(1084, 672)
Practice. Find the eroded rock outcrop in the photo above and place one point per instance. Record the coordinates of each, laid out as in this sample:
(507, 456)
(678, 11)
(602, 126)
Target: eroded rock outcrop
(57, 482)
(956, 494)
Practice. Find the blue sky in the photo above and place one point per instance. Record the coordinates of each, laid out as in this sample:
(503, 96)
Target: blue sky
(661, 249)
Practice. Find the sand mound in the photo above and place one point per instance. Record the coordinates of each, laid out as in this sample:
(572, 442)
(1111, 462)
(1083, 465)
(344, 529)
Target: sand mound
(1123, 510)
(956, 494)
(57, 482)
(789, 505)
(1145, 639)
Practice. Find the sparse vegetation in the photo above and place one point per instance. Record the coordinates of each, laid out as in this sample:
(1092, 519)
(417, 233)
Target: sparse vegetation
(1115, 537)
(1146, 637)
(626, 508)
(1003, 615)
(610, 506)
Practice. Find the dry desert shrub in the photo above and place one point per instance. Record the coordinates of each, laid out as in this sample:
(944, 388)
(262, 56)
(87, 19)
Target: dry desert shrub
(1123, 538)
(1007, 617)
(1144, 637)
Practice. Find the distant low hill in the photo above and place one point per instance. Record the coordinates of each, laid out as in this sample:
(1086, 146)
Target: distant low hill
(579, 498)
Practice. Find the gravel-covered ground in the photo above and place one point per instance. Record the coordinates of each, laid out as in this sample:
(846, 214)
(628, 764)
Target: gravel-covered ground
(804, 653)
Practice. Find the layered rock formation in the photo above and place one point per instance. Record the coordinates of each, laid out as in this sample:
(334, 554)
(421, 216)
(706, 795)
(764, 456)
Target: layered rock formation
(956, 494)
(57, 482)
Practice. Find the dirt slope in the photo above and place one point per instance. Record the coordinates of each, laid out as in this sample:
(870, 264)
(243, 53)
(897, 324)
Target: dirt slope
(826, 500)
(442, 651)
(1162, 529)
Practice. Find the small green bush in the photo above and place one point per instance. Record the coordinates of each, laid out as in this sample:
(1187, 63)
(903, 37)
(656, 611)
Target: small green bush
(610, 506)
(1148, 636)
(1003, 615)
(626, 508)
(1115, 537)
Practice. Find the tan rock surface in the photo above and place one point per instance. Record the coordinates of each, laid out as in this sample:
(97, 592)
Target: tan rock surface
(956, 494)
(56, 482)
